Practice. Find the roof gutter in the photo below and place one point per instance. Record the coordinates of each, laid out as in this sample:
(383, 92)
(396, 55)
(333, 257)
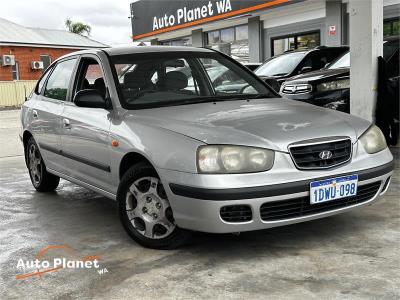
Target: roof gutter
(5, 43)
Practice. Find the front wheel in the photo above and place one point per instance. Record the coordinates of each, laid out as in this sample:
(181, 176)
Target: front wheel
(41, 180)
(145, 211)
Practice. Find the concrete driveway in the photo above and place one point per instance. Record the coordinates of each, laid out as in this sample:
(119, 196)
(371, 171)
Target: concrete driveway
(351, 256)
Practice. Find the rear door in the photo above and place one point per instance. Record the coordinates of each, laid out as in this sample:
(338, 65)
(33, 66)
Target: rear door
(50, 95)
(85, 138)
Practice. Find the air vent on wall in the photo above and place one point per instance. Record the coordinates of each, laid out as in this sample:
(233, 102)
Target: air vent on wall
(8, 60)
(37, 65)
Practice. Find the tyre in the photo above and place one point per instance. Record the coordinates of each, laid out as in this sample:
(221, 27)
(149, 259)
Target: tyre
(145, 212)
(41, 180)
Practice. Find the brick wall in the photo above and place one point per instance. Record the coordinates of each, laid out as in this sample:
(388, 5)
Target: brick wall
(24, 56)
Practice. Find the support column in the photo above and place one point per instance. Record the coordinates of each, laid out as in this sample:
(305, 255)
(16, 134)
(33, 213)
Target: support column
(333, 22)
(197, 38)
(366, 44)
(255, 40)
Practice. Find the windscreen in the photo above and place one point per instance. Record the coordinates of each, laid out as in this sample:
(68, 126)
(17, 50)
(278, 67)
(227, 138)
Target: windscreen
(280, 65)
(342, 62)
(164, 79)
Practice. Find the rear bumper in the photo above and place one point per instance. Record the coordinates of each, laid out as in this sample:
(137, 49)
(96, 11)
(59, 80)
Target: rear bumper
(199, 208)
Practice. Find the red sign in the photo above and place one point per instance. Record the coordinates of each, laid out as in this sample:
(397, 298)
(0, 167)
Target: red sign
(332, 30)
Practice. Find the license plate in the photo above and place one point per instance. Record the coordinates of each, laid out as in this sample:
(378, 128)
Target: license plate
(333, 189)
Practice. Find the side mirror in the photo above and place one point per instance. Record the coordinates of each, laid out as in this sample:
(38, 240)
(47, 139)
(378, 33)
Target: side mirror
(89, 98)
(326, 65)
(273, 83)
(305, 70)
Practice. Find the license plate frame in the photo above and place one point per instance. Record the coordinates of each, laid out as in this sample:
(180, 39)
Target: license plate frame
(331, 189)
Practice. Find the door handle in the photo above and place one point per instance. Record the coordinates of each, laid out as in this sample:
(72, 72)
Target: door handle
(34, 114)
(66, 123)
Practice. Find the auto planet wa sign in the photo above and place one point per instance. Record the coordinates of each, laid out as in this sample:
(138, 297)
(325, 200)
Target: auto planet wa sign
(184, 15)
(151, 17)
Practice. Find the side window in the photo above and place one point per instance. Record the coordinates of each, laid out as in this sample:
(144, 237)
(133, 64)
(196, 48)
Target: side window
(332, 55)
(91, 77)
(42, 81)
(316, 60)
(58, 83)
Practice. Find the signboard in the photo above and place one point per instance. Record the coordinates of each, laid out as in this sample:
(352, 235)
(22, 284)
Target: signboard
(151, 17)
(332, 30)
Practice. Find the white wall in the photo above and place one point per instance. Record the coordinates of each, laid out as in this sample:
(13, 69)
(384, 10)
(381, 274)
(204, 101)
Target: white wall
(295, 13)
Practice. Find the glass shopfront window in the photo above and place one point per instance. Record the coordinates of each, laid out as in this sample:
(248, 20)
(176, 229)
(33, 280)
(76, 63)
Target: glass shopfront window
(296, 41)
(242, 33)
(184, 41)
(233, 41)
(391, 27)
(282, 45)
(228, 35)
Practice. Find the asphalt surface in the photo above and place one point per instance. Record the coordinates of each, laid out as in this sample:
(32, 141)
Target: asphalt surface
(350, 256)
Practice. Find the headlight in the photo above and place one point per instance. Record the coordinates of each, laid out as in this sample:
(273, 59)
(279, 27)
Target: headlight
(221, 159)
(334, 85)
(373, 140)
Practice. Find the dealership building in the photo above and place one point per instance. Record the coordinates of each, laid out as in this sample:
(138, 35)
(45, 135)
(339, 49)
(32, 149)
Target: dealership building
(251, 30)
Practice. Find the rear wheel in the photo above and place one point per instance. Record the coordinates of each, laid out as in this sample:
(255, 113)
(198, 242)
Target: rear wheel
(41, 180)
(145, 211)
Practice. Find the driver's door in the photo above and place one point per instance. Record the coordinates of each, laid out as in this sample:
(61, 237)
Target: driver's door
(85, 139)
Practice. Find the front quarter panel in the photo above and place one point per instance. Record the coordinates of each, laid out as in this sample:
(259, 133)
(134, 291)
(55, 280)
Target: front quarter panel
(165, 149)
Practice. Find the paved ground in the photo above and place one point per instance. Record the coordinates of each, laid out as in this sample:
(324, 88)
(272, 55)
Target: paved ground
(350, 256)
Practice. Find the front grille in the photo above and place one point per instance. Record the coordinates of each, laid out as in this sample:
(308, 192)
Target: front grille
(296, 88)
(236, 213)
(310, 157)
(298, 207)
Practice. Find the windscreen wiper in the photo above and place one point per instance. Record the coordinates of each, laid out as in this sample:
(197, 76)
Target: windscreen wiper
(215, 99)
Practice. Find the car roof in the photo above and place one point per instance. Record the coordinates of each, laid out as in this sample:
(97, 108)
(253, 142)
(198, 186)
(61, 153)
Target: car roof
(318, 48)
(138, 49)
(391, 38)
(153, 49)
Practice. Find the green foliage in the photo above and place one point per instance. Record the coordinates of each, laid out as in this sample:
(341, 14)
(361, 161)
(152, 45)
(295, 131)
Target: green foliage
(77, 27)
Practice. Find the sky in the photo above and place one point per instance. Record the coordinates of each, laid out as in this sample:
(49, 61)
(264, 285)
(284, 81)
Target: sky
(108, 18)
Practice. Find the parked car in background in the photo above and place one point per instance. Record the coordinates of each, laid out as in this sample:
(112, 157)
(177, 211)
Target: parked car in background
(330, 86)
(291, 63)
(178, 159)
(252, 66)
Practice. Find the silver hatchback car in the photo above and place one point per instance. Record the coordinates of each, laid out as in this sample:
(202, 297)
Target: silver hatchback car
(187, 139)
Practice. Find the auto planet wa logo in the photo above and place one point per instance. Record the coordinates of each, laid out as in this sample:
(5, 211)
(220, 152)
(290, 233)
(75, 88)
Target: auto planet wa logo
(185, 15)
(39, 266)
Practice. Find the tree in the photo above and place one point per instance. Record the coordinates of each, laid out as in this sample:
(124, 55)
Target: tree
(77, 27)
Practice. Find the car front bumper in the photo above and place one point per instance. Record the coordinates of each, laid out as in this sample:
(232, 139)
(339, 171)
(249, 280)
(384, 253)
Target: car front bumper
(197, 199)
